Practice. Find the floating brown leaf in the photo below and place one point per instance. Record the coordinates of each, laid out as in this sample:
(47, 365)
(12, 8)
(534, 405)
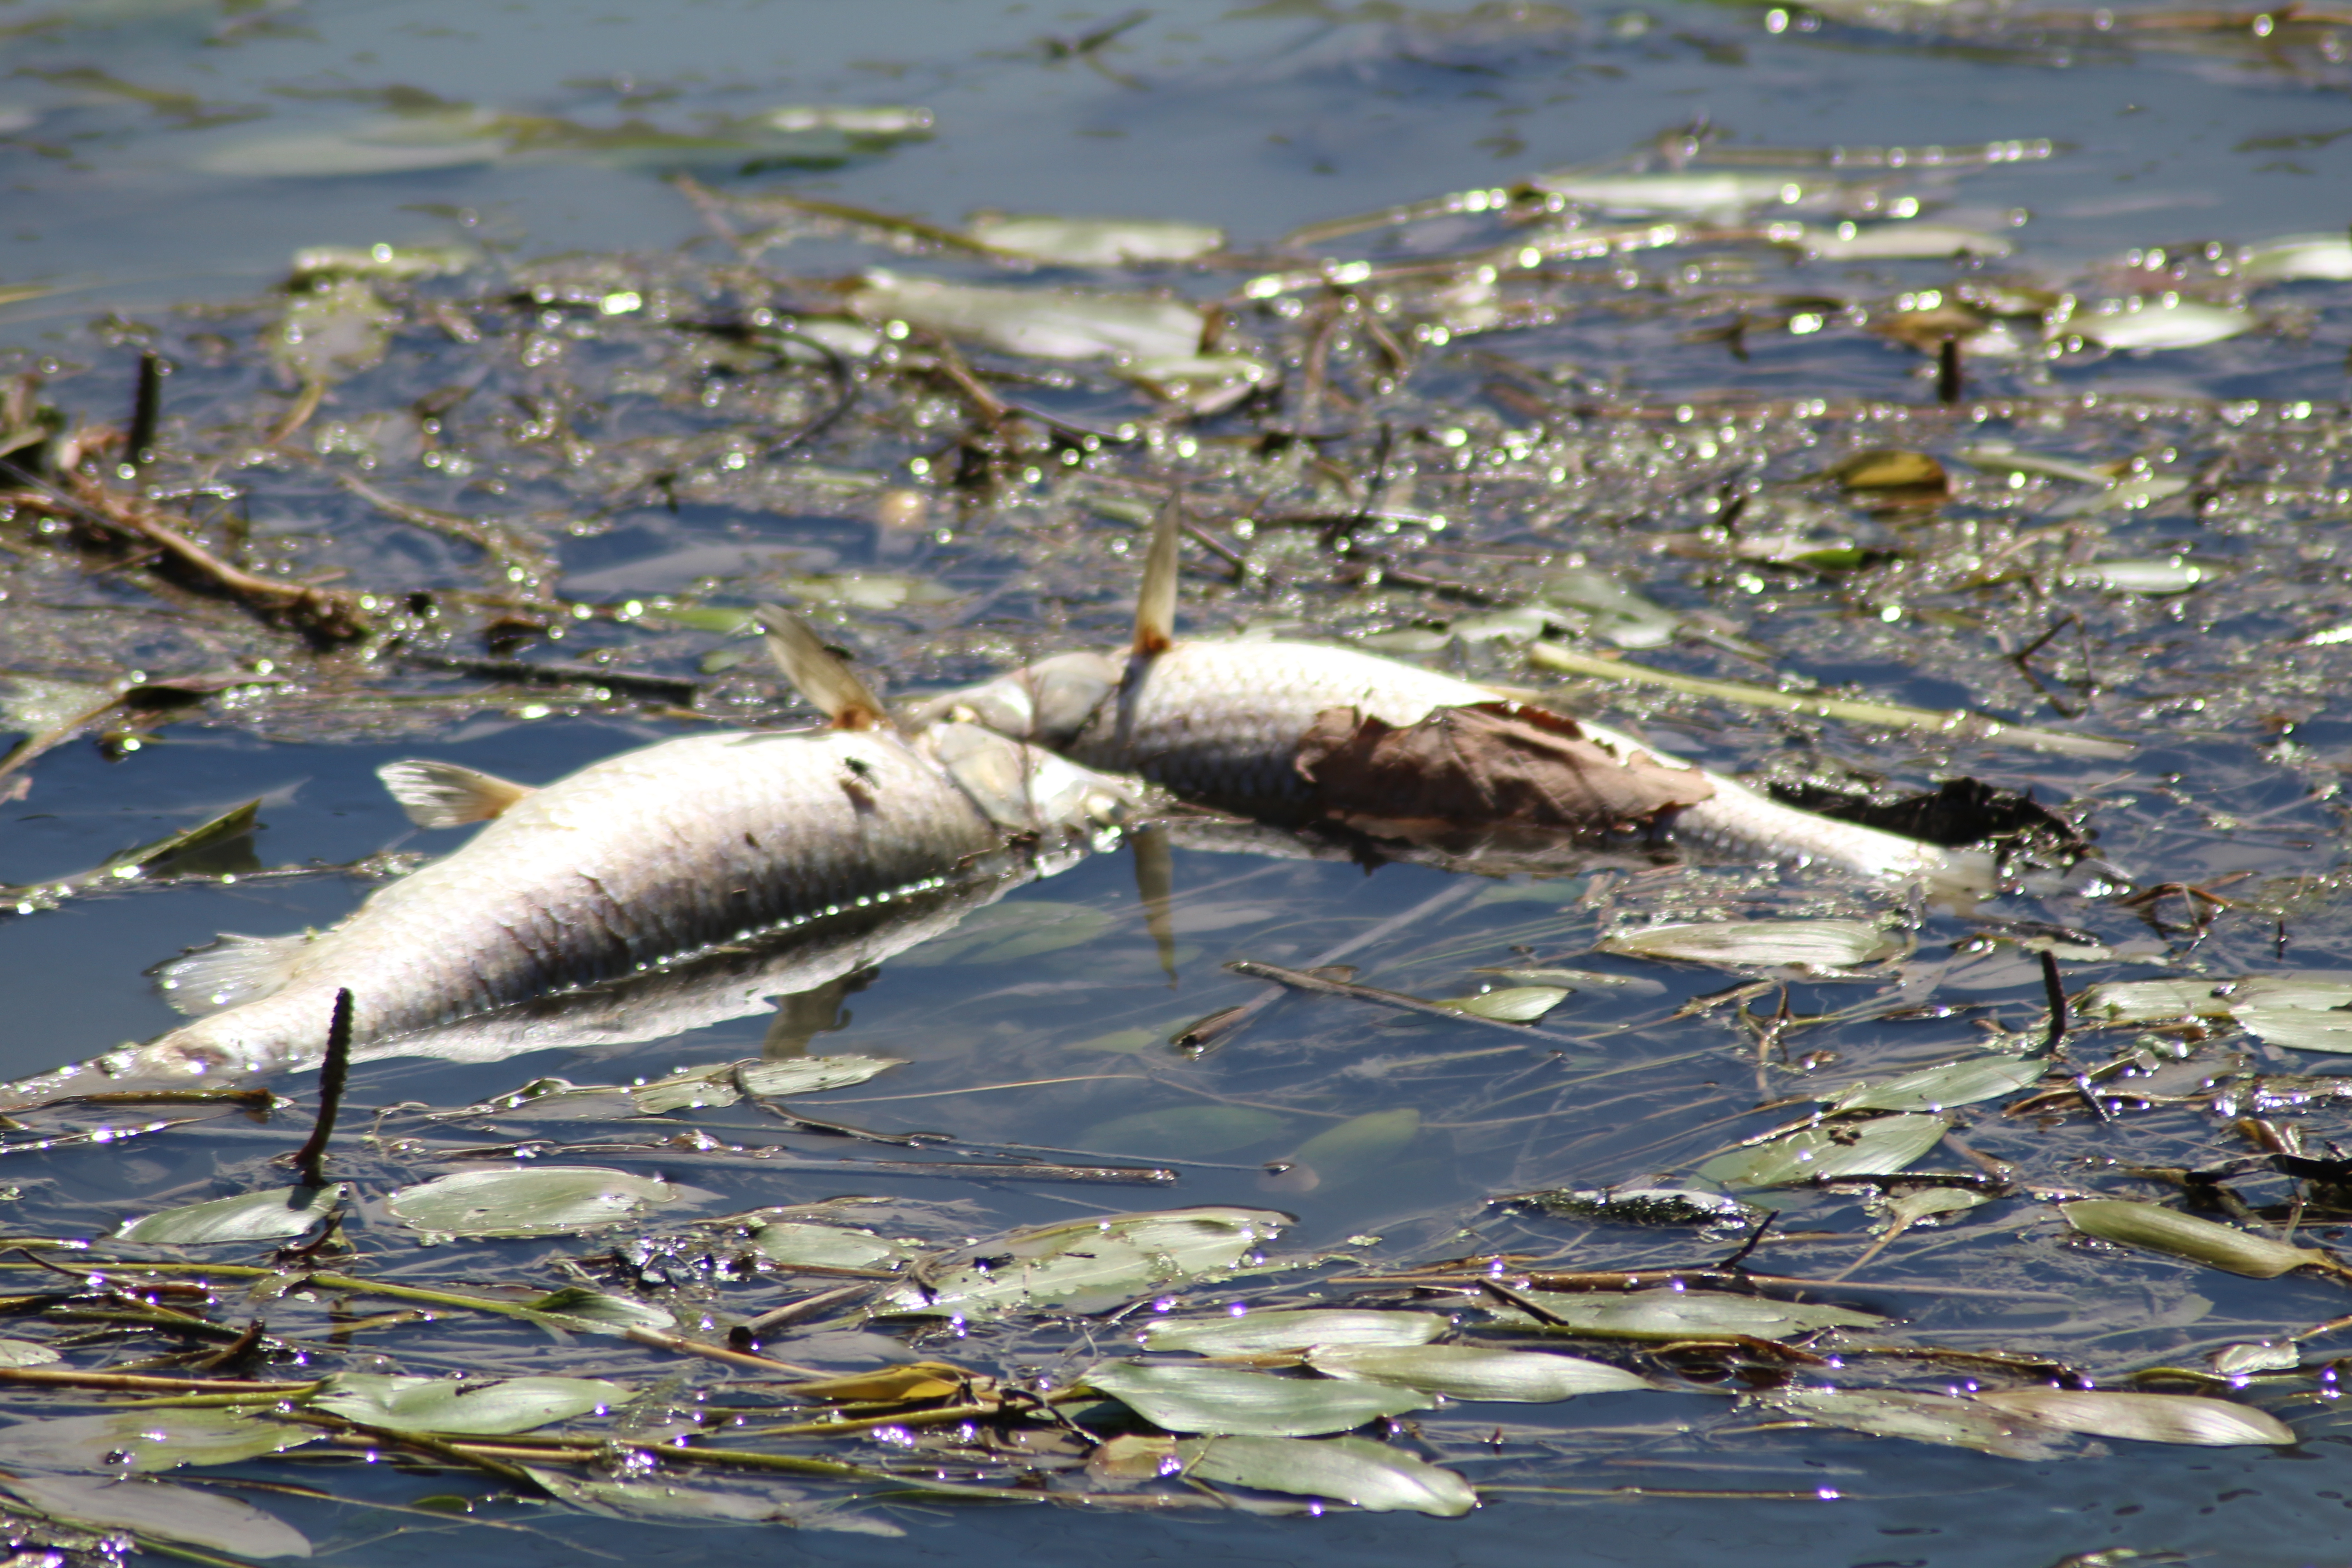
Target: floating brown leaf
(1489, 766)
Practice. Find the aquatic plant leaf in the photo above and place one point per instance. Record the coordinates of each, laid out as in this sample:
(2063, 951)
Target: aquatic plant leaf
(1905, 1209)
(1879, 1147)
(1963, 1082)
(1473, 1372)
(2160, 1229)
(600, 1312)
(1889, 468)
(403, 263)
(2185, 324)
(1577, 980)
(1511, 1004)
(1899, 241)
(161, 1510)
(792, 1244)
(669, 1500)
(811, 1075)
(2124, 495)
(1060, 323)
(1808, 944)
(474, 1408)
(1356, 1148)
(1619, 613)
(1092, 241)
(2299, 1029)
(273, 1216)
(1640, 1204)
(1923, 1419)
(888, 1384)
(2257, 1355)
(1262, 1334)
(2001, 458)
(1695, 191)
(1227, 1401)
(1486, 767)
(332, 328)
(1007, 931)
(853, 119)
(1663, 1314)
(1184, 1128)
(2144, 1417)
(546, 1200)
(1206, 383)
(2169, 575)
(1370, 1475)
(147, 1440)
(1084, 1265)
(189, 842)
(2327, 256)
(27, 1352)
(2153, 1001)
(368, 149)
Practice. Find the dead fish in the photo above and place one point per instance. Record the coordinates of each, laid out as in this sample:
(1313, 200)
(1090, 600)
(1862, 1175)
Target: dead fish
(1224, 723)
(640, 861)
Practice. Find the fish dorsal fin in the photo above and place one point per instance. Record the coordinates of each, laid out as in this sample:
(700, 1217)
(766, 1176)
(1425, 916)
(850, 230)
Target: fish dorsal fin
(443, 794)
(817, 673)
(1155, 606)
(233, 971)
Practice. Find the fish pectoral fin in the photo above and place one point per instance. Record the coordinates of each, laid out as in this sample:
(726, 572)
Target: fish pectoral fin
(233, 971)
(1155, 603)
(818, 673)
(443, 794)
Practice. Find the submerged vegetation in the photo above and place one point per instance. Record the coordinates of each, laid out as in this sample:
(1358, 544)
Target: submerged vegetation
(1880, 507)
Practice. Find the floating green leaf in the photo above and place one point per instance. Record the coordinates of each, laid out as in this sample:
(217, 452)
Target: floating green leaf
(2169, 576)
(1923, 1419)
(1680, 1314)
(1879, 1147)
(163, 1510)
(2300, 1029)
(1899, 241)
(665, 1501)
(1810, 945)
(546, 1200)
(473, 1408)
(1184, 1128)
(2161, 1229)
(1093, 241)
(1962, 1082)
(2327, 256)
(148, 1439)
(790, 1244)
(600, 1312)
(27, 1352)
(1359, 1146)
(1259, 1333)
(1227, 1401)
(1510, 1004)
(2154, 324)
(1696, 191)
(853, 119)
(272, 1215)
(1472, 1372)
(1357, 1470)
(1084, 1265)
(2145, 1417)
(1059, 324)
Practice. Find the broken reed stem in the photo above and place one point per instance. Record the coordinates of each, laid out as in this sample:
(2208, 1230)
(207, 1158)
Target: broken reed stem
(310, 1159)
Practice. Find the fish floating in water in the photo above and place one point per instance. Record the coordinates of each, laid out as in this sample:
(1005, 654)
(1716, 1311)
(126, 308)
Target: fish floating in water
(1294, 732)
(637, 865)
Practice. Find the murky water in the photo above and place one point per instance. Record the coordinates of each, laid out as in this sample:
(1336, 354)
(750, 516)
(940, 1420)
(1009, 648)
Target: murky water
(597, 458)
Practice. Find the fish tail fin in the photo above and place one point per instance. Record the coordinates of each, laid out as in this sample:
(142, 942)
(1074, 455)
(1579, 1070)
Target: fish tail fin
(1155, 606)
(818, 673)
(443, 794)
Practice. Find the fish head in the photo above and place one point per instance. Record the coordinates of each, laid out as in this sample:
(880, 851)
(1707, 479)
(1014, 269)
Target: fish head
(1047, 703)
(1027, 789)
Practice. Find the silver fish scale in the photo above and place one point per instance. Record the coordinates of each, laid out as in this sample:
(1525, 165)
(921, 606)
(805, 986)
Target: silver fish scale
(1221, 720)
(634, 861)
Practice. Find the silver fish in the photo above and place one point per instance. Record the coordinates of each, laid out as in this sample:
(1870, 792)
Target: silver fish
(1220, 722)
(639, 862)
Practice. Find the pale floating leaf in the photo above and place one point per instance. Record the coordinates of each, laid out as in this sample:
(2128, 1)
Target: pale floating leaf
(1084, 1265)
(1899, 242)
(1810, 945)
(148, 1440)
(665, 1501)
(2158, 577)
(27, 1352)
(1473, 1372)
(2153, 1001)
(546, 1200)
(159, 1508)
(1226, 1401)
(1358, 1147)
(2001, 458)
(2132, 494)
(1923, 1419)
(2299, 1029)
(1581, 980)
(1181, 1128)
(1694, 192)
(272, 1215)
(1511, 1005)
(1910, 1208)
(1681, 1314)
(1617, 613)
(1259, 1333)
(372, 149)
(2185, 324)
(2327, 256)
(1093, 241)
(792, 1244)
(600, 1312)
(2145, 1417)
(2257, 1355)
(888, 1384)
(399, 263)
(1206, 383)
(36, 704)
(2161, 1229)
(852, 119)
(1060, 323)
(1941, 1088)
(471, 1408)
(810, 1075)
(1371, 1476)
(1879, 1147)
